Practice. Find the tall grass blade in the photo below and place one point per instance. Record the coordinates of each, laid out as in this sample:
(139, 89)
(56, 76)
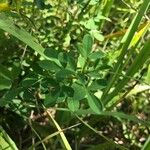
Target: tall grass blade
(146, 145)
(125, 43)
(8, 25)
(139, 61)
(62, 135)
(5, 141)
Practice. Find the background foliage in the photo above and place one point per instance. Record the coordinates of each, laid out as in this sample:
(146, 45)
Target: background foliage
(75, 75)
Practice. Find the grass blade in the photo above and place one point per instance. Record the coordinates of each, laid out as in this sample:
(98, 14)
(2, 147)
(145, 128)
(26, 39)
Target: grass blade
(146, 145)
(5, 141)
(125, 43)
(62, 135)
(139, 61)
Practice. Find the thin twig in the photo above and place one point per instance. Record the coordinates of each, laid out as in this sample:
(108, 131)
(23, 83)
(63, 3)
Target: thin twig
(56, 133)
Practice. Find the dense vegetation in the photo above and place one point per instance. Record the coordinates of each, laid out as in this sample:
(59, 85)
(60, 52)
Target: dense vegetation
(74, 74)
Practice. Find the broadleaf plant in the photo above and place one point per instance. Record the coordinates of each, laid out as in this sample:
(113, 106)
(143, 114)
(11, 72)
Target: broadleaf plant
(68, 72)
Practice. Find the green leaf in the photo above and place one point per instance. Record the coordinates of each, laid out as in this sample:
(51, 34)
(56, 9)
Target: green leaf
(79, 92)
(67, 91)
(9, 96)
(90, 24)
(63, 58)
(98, 84)
(37, 69)
(51, 98)
(5, 83)
(4, 72)
(81, 62)
(81, 50)
(94, 103)
(15, 71)
(27, 82)
(67, 40)
(72, 61)
(87, 44)
(73, 104)
(51, 53)
(49, 65)
(96, 55)
(97, 35)
(64, 73)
